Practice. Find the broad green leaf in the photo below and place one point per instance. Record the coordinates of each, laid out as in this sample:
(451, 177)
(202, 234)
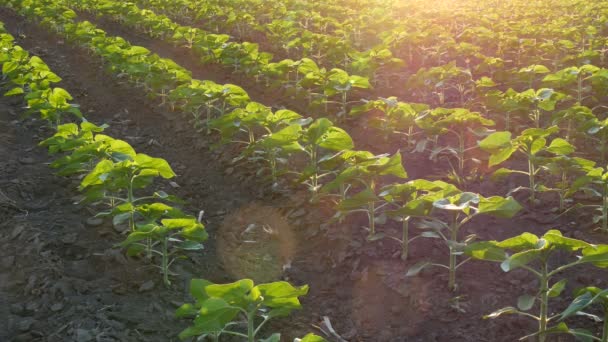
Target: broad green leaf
(501, 155)
(495, 141)
(555, 238)
(499, 206)
(597, 255)
(560, 146)
(520, 259)
(360, 199)
(213, 316)
(525, 302)
(557, 288)
(282, 294)
(311, 338)
(197, 289)
(157, 164)
(233, 293)
(486, 250)
(537, 145)
(520, 243)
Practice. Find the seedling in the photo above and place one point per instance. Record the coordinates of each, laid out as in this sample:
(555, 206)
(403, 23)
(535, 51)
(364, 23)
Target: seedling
(160, 224)
(365, 175)
(239, 309)
(535, 254)
(462, 208)
(532, 142)
(411, 200)
(585, 298)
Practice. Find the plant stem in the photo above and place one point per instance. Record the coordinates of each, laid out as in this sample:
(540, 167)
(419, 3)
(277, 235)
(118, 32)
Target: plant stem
(313, 157)
(453, 238)
(165, 261)
(544, 303)
(531, 171)
(130, 199)
(371, 213)
(461, 154)
(605, 328)
(605, 208)
(250, 327)
(405, 239)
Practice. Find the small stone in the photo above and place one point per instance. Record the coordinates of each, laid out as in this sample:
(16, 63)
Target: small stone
(32, 307)
(8, 261)
(26, 160)
(147, 286)
(119, 290)
(229, 170)
(94, 221)
(18, 309)
(69, 238)
(56, 307)
(298, 213)
(83, 335)
(120, 228)
(17, 231)
(176, 303)
(25, 337)
(25, 325)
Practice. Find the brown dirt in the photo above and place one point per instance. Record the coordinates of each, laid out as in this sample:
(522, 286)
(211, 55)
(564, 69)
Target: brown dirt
(61, 280)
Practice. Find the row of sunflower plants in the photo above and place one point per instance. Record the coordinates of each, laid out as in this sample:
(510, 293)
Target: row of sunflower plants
(117, 180)
(301, 78)
(114, 176)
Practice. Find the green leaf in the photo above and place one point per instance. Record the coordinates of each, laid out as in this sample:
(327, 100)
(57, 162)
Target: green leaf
(393, 166)
(282, 294)
(59, 97)
(557, 288)
(459, 202)
(186, 310)
(555, 238)
(486, 250)
(276, 337)
(560, 146)
(499, 206)
(520, 259)
(521, 242)
(501, 173)
(360, 199)
(323, 133)
(537, 145)
(157, 164)
(598, 256)
(525, 302)
(417, 268)
(233, 293)
(213, 316)
(583, 335)
(504, 311)
(582, 301)
(311, 338)
(495, 141)
(501, 155)
(197, 289)
(15, 91)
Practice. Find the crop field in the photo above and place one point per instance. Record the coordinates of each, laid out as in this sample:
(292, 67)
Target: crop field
(304, 170)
